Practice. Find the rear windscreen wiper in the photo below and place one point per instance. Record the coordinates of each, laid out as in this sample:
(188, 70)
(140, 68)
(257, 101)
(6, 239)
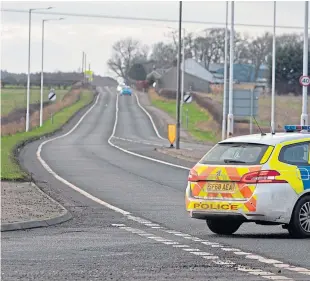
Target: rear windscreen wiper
(234, 161)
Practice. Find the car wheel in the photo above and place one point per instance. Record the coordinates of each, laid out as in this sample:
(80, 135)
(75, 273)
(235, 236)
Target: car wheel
(223, 226)
(299, 226)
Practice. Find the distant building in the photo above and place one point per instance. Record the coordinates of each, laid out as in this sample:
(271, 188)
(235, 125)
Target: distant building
(242, 72)
(196, 77)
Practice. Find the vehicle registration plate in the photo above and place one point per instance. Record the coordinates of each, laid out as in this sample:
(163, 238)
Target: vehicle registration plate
(225, 187)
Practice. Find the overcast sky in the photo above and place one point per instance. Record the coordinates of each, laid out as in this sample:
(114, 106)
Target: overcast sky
(65, 40)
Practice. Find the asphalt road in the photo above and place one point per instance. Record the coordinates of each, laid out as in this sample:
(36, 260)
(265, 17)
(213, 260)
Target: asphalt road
(155, 239)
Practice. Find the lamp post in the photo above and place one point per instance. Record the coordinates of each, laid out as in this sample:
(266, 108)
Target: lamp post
(42, 60)
(177, 143)
(304, 114)
(28, 78)
(225, 76)
(230, 121)
(273, 80)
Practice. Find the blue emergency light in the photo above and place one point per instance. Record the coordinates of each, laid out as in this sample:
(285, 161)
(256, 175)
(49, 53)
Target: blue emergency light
(296, 128)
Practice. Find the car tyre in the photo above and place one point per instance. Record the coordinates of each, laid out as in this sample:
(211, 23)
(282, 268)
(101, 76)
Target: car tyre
(223, 226)
(299, 226)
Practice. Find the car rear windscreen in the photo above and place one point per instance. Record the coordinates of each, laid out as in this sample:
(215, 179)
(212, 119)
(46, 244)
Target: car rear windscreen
(235, 154)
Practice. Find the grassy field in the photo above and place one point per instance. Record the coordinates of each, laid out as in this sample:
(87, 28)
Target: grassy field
(9, 168)
(197, 121)
(12, 98)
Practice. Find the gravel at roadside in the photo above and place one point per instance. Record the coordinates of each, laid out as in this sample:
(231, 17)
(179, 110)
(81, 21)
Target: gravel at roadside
(23, 203)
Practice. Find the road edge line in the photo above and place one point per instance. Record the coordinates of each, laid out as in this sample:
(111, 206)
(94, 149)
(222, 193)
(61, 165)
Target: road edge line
(150, 117)
(72, 186)
(133, 153)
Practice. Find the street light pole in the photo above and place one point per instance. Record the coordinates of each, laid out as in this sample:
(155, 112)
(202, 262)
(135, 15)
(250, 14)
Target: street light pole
(273, 78)
(41, 101)
(230, 121)
(304, 115)
(84, 79)
(42, 60)
(83, 62)
(177, 144)
(28, 78)
(225, 76)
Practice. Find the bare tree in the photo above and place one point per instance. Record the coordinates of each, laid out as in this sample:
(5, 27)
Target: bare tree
(125, 53)
(259, 49)
(163, 54)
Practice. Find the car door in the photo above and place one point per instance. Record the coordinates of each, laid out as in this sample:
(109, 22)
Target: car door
(297, 154)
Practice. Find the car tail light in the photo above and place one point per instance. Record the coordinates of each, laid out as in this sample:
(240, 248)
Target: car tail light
(193, 176)
(264, 176)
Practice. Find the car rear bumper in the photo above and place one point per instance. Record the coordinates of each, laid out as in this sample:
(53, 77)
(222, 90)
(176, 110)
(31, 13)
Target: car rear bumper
(271, 205)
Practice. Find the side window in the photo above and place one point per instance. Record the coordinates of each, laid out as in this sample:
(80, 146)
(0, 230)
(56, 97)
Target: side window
(295, 154)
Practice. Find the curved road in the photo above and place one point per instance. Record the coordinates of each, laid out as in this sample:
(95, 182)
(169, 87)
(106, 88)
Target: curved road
(131, 222)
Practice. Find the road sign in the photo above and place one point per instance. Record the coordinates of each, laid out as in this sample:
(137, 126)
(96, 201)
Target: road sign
(89, 75)
(187, 98)
(245, 103)
(52, 95)
(171, 133)
(304, 81)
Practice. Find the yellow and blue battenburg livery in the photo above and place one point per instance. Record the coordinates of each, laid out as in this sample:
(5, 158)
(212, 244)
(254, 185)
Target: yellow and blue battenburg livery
(304, 170)
(263, 178)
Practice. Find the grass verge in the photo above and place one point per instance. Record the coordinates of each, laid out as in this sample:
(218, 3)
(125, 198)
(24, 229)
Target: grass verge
(198, 118)
(10, 169)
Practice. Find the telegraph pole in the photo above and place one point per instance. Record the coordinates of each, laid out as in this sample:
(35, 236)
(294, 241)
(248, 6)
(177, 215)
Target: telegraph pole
(177, 143)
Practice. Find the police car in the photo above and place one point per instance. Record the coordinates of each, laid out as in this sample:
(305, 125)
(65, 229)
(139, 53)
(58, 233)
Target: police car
(263, 178)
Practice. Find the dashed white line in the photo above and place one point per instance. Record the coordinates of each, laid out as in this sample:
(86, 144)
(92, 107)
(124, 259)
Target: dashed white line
(139, 141)
(214, 259)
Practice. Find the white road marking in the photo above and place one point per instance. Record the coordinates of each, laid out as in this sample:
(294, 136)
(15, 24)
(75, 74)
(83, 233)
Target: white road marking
(150, 117)
(127, 214)
(230, 249)
(214, 259)
(139, 141)
(191, 250)
(132, 153)
(201, 254)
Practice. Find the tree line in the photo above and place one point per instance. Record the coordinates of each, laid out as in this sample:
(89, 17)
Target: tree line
(51, 79)
(208, 48)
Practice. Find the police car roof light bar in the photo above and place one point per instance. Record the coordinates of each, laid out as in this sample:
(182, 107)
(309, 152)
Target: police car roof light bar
(296, 128)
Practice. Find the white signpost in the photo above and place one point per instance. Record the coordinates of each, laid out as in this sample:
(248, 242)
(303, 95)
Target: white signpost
(52, 95)
(304, 81)
(187, 98)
